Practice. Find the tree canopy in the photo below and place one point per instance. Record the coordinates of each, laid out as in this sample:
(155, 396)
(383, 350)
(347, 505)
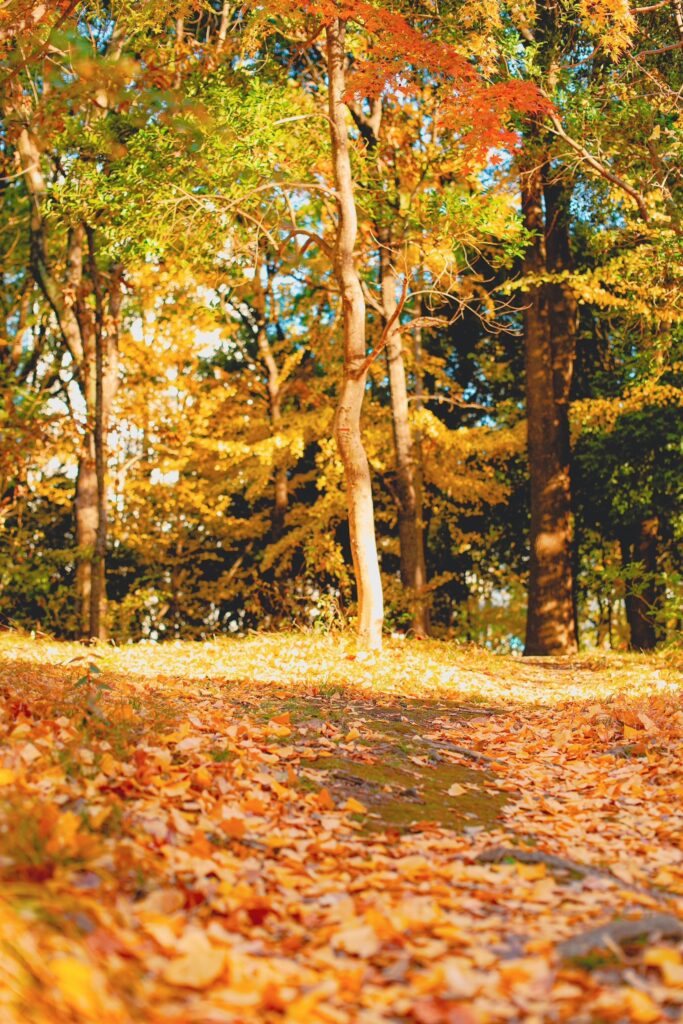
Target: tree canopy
(342, 312)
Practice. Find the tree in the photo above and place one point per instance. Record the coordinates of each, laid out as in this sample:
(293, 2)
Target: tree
(347, 427)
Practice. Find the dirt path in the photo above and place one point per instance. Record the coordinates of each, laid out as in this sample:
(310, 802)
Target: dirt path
(202, 834)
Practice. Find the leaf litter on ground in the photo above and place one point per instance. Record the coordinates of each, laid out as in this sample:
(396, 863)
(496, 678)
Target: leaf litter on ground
(269, 829)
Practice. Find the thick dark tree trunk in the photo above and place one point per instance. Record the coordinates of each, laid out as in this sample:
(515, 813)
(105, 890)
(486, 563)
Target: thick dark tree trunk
(549, 337)
(408, 497)
(347, 427)
(641, 600)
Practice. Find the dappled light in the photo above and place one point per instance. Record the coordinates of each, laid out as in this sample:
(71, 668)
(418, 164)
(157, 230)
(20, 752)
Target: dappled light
(270, 829)
(341, 512)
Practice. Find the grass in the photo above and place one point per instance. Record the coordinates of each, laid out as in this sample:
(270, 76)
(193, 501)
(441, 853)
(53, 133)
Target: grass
(328, 666)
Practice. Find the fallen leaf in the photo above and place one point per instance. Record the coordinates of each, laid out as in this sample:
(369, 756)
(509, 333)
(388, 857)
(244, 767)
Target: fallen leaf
(359, 940)
(197, 969)
(641, 1007)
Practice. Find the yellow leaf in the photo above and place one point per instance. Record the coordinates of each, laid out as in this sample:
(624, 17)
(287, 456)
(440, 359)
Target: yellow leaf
(63, 835)
(276, 842)
(672, 974)
(77, 986)
(657, 956)
(531, 872)
(275, 729)
(98, 815)
(642, 1008)
(7, 776)
(355, 806)
(198, 969)
(108, 765)
(632, 734)
(177, 788)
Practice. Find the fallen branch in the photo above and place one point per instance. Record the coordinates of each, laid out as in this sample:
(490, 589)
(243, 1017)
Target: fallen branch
(473, 755)
(661, 925)
(500, 853)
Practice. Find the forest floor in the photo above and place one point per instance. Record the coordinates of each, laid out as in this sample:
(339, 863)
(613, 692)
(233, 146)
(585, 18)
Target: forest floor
(269, 829)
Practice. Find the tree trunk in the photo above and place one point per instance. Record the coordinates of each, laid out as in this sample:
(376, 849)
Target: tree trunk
(347, 427)
(563, 316)
(86, 533)
(411, 541)
(419, 458)
(280, 492)
(640, 601)
(93, 347)
(548, 339)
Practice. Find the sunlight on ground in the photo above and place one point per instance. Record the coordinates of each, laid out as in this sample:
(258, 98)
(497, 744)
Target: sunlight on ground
(269, 830)
(405, 667)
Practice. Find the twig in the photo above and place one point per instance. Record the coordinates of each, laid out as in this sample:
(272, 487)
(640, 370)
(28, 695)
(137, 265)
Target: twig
(652, 7)
(603, 171)
(473, 755)
(660, 49)
(381, 345)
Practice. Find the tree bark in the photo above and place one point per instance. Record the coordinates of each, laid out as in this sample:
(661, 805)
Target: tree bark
(640, 601)
(93, 347)
(411, 540)
(347, 428)
(549, 338)
(280, 491)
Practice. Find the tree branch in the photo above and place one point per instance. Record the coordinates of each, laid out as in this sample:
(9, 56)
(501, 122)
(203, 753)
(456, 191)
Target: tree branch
(381, 345)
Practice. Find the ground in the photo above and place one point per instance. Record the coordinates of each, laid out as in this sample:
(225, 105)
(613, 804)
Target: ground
(270, 829)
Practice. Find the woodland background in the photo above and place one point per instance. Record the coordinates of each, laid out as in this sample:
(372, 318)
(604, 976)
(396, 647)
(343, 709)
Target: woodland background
(171, 350)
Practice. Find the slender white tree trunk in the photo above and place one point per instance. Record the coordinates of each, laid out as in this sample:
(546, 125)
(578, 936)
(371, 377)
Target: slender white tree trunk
(347, 427)
(410, 533)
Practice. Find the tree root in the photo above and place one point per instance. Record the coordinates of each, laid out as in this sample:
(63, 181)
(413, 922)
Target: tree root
(500, 853)
(662, 925)
(473, 755)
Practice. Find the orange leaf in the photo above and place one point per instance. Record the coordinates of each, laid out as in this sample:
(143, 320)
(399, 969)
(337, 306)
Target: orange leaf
(252, 805)
(324, 800)
(234, 827)
(202, 776)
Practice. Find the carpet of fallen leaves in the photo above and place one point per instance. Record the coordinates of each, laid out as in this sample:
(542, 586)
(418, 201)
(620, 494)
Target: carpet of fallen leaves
(170, 852)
